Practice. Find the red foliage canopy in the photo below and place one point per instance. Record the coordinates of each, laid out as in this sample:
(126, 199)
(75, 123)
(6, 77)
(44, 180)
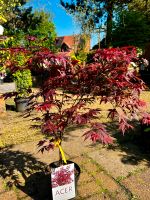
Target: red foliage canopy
(68, 89)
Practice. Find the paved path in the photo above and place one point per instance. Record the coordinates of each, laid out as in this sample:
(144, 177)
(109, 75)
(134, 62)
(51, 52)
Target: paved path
(106, 174)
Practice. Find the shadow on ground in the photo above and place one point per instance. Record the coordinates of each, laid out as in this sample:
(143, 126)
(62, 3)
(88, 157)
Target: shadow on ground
(10, 107)
(136, 144)
(26, 173)
(37, 186)
(69, 131)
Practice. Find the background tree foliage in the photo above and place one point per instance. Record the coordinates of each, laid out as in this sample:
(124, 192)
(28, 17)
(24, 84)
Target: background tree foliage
(131, 28)
(23, 21)
(45, 29)
(20, 19)
(94, 13)
(142, 6)
(132, 25)
(6, 7)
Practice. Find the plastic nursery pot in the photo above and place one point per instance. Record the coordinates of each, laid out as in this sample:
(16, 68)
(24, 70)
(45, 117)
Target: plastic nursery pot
(56, 164)
(21, 104)
(145, 137)
(1, 81)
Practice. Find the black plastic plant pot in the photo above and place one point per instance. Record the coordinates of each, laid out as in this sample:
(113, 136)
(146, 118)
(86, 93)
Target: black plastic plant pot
(21, 104)
(77, 171)
(145, 137)
(38, 185)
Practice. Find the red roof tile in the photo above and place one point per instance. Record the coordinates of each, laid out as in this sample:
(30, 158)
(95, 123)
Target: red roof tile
(68, 40)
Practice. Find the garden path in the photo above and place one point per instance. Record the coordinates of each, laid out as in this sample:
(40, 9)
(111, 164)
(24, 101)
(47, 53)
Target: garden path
(120, 173)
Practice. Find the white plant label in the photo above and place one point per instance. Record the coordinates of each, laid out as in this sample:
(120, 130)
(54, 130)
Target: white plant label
(63, 182)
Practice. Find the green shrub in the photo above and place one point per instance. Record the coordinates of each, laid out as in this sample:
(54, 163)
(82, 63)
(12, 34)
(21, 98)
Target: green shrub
(23, 80)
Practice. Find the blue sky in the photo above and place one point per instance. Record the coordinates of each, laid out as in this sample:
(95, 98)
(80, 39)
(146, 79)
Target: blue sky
(64, 23)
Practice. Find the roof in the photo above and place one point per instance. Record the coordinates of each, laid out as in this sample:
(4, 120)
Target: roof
(68, 40)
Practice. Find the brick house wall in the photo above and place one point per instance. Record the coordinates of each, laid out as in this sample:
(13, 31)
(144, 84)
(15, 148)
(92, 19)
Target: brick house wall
(72, 43)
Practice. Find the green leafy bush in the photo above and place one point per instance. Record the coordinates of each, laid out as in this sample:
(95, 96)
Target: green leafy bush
(23, 80)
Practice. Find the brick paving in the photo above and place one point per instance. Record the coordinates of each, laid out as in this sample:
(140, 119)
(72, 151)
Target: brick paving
(95, 184)
(104, 175)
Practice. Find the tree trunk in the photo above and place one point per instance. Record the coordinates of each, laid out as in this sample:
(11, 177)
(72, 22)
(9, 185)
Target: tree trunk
(109, 24)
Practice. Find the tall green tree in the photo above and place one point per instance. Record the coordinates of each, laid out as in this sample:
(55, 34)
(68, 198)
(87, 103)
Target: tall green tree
(45, 29)
(95, 13)
(24, 21)
(21, 18)
(6, 7)
(142, 6)
(131, 28)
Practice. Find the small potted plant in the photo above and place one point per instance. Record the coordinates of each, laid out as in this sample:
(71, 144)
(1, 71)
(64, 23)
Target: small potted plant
(69, 91)
(23, 80)
(17, 64)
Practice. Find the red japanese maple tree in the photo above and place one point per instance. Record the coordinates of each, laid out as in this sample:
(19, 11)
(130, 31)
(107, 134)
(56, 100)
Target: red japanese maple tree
(69, 90)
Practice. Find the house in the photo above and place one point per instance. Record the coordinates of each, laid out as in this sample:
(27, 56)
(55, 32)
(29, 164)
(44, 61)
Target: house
(72, 43)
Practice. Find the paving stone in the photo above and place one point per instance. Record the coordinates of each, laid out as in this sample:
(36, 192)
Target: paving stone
(111, 160)
(121, 195)
(139, 184)
(106, 182)
(91, 167)
(98, 197)
(10, 195)
(80, 160)
(84, 177)
(102, 196)
(7, 87)
(118, 163)
(88, 189)
(28, 198)
(77, 198)
(21, 194)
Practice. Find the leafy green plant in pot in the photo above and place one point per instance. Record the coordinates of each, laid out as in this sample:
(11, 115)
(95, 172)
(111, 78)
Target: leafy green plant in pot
(105, 80)
(23, 80)
(16, 62)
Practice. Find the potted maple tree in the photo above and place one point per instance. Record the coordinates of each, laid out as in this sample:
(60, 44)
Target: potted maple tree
(69, 90)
